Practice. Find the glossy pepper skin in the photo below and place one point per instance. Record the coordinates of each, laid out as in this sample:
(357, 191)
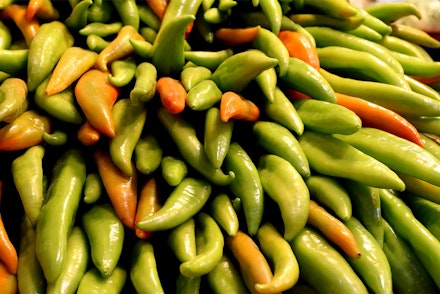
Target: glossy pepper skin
(14, 99)
(47, 47)
(58, 212)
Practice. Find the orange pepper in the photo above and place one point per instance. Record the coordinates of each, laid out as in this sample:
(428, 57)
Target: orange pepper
(122, 190)
(172, 94)
(236, 36)
(41, 8)
(8, 281)
(158, 7)
(149, 203)
(87, 134)
(233, 105)
(96, 97)
(300, 46)
(8, 253)
(17, 13)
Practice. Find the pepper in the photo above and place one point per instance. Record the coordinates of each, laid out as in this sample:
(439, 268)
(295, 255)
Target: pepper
(374, 23)
(216, 16)
(398, 154)
(182, 240)
(329, 192)
(172, 94)
(5, 36)
(225, 277)
(149, 16)
(319, 116)
(399, 45)
(101, 29)
(57, 215)
(393, 11)
(96, 43)
(210, 242)
(425, 210)
(208, 59)
(216, 137)
(268, 42)
(267, 81)
(118, 48)
(105, 233)
(185, 200)
(122, 190)
(205, 28)
(61, 105)
(414, 35)
(417, 67)
(171, 31)
(278, 140)
(282, 183)
(421, 188)
(73, 63)
(129, 119)
(17, 13)
(366, 32)
(366, 207)
(27, 174)
(30, 276)
(257, 17)
(96, 97)
(93, 188)
(8, 281)
(421, 88)
(318, 19)
(338, 8)
(235, 106)
(300, 46)
(25, 131)
(318, 259)
(8, 256)
(274, 12)
(87, 134)
(223, 212)
(282, 111)
(280, 253)
(93, 283)
(43, 9)
(325, 36)
(373, 266)
(143, 269)
(145, 83)
(408, 273)
(192, 75)
(430, 144)
(331, 156)
(56, 138)
(203, 95)
(191, 149)
(128, 12)
(187, 285)
(75, 265)
(422, 242)
(47, 47)
(236, 36)
(77, 18)
(246, 185)
(149, 202)
(253, 265)
(14, 99)
(147, 154)
(333, 230)
(401, 101)
(303, 77)
(174, 170)
(13, 61)
(236, 71)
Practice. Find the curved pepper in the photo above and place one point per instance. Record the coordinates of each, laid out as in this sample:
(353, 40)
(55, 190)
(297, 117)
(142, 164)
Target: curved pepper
(191, 149)
(100, 11)
(13, 99)
(392, 11)
(25, 131)
(96, 43)
(147, 154)
(93, 188)
(267, 81)
(145, 82)
(149, 202)
(129, 119)
(57, 215)
(87, 134)
(182, 240)
(43, 9)
(27, 174)
(184, 202)
(225, 277)
(222, 210)
(278, 140)
(13, 61)
(172, 94)
(338, 8)
(235, 106)
(318, 19)
(208, 59)
(192, 75)
(128, 12)
(5, 36)
(174, 170)
(47, 47)
(17, 13)
(93, 282)
(203, 95)
(105, 232)
(148, 16)
(414, 35)
(96, 97)
(421, 88)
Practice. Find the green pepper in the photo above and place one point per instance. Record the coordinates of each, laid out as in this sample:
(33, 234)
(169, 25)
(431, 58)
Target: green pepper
(192, 75)
(225, 277)
(414, 35)
(203, 95)
(421, 88)
(78, 16)
(147, 16)
(329, 192)
(366, 32)
(286, 187)
(417, 67)
(255, 18)
(128, 12)
(397, 44)
(373, 266)
(147, 153)
(267, 81)
(366, 207)
(100, 11)
(426, 211)
(322, 20)
(55, 138)
(144, 88)
(30, 277)
(398, 154)
(208, 59)
(246, 185)
(191, 149)
(184, 202)
(182, 240)
(216, 137)
(5, 36)
(274, 13)
(392, 11)
(282, 111)
(187, 285)
(422, 242)
(331, 156)
(173, 169)
(93, 283)
(93, 188)
(338, 8)
(105, 232)
(374, 23)
(58, 212)
(96, 43)
(122, 71)
(318, 261)
(101, 29)
(13, 61)
(222, 210)
(278, 140)
(236, 71)
(75, 265)
(304, 78)
(50, 42)
(408, 273)
(129, 118)
(210, 242)
(143, 269)
(13, 99)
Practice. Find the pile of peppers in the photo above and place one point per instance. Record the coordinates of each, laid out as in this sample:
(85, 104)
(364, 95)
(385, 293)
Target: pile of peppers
(230, 146)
